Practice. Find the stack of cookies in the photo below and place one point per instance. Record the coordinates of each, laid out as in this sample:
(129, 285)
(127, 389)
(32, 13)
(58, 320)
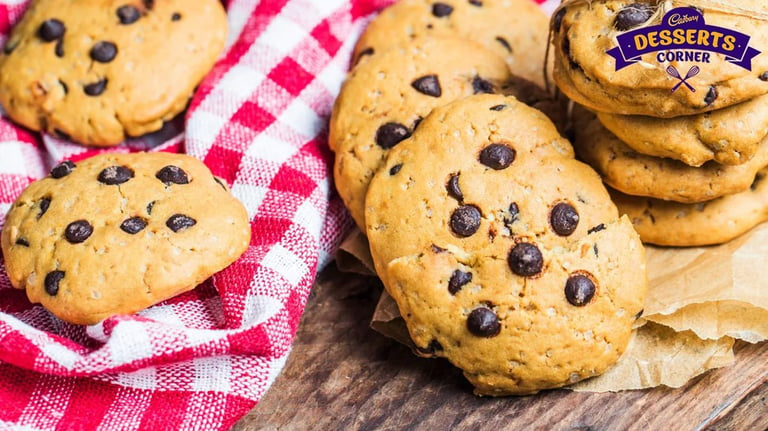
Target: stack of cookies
(684, 144)
(504, 253)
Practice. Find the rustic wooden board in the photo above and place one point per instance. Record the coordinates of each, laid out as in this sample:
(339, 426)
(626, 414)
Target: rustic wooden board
(343, 375)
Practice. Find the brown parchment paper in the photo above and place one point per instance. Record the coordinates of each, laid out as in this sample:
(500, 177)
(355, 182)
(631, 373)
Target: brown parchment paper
(712, 291)
(699, 300)
(658, 355)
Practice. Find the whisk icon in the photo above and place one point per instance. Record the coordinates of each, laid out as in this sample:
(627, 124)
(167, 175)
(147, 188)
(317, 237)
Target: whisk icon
(693, 71)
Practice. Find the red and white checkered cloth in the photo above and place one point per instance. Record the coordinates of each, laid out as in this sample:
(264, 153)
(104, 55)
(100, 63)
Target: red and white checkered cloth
(202, 360)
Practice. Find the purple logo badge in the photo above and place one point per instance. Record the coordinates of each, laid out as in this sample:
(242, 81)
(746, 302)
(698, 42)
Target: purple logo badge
(683, 36)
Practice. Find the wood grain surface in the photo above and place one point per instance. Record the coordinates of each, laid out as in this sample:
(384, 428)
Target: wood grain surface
(341, 375)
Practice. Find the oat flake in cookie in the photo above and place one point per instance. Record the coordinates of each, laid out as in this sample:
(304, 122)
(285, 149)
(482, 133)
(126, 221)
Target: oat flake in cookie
(117, 233)
(503, 250)
(98, 71)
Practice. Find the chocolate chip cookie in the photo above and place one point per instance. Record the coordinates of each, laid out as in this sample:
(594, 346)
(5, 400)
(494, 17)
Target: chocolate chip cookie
(98, 72)
(383, 100)
(516, 30)
(117, 233)
(707, 223)
(729, 136)
(636, 174)
(585, 31)
(505, 255)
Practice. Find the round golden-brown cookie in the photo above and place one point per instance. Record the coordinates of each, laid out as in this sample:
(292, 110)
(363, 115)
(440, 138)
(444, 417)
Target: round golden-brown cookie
(707, 223)
(730, 136)
(504, 254)
(117, 233)
(516, 30)
(383, 100)
(636, 174)
(585, 31)
(99, 71)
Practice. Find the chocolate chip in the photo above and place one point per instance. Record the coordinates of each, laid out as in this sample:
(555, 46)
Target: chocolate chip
(44, 204)
(429, 85)
(172, 175)
(458, 280)
(483, 322)
(133, 225)
(595, 229)
(52, 282)
(558, 21)
(150, 206)
(363, 53)
(10, 46)
(453, 188)
(497, 156)
(128, 14)
(179, 222)
(61, 134)
(514, 215)
(59, 49)
(711, 95)
(62, 169)
(22, 242)
(64, 86)
(149, 4)
(564, 219)
(632, 15)
(481, 86)
(78, 231)
(567, 51)
(477, 3)
(763, 76)
(115, 175)
(51, 29)
(504, 43)
(176, 16)
(650, 215)
(391, 134)
(104, 52)
(433, 347)
(465, 220)
(441, 10)
(437, 249)
(220, 183)
(579, 290)
(498, 108)
(566, 46)
(525, 260)
(96, 88)
(639, 314)
(395, 169)
(417, 123)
